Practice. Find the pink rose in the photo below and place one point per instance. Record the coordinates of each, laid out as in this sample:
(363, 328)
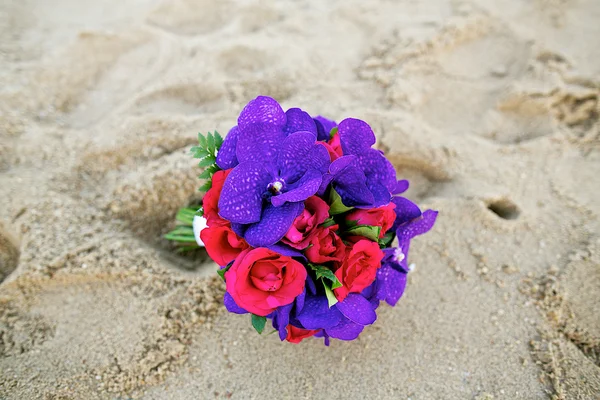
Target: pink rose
(210, 202)
(326, 246)
(359, 268)
(295, 335)
(383, 216)
(316, 211)
(260, 280)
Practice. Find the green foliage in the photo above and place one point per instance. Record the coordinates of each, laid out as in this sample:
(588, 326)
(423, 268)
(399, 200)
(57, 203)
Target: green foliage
(222, 271)
(368, 231)
(386, 240)
(328, 280)
(336, 206)
(258, 323)
(328, 222)
(207, 150)
(333, 132)
(331, 299)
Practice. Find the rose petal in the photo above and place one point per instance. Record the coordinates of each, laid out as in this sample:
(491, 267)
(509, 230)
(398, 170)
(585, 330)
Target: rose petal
(273, 224)
(241, 198)
(358, 309)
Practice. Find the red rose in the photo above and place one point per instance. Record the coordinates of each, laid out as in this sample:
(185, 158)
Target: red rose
(359, 268)
(326, 246)
(260, 280)
(334, 147)
(316, 211)
(222, 244)
(210, 202)
(295, 335)
(383, 216)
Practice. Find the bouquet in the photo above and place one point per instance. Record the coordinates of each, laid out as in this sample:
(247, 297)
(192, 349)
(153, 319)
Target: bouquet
(302, 215)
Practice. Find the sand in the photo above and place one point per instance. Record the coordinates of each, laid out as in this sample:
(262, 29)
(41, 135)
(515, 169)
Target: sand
(491, 109)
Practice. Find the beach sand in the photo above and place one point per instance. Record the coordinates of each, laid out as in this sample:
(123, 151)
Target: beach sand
(491, 109)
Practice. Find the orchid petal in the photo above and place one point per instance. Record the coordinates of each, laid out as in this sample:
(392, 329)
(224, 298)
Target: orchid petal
(345, 330)
(302, 190)
(241, 198)
(273, 225)
(358, 309)
(226, 156)
(231, 305)
(262, 109)
(316, 313)
(356, 136)
(259, 142)
(298, 120)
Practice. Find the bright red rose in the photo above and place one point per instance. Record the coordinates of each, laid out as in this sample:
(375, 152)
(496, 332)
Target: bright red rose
(334, 147)
(295, 335)
(326, 246)
(210, 202)
(359, 268)
(316, 211)
(260, 280)
(383, 216)
(222, 244)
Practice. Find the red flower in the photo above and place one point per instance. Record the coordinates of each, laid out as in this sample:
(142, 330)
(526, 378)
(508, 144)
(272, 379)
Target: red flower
(383, 216)
(334, 147)
(260, 280)
(210, 202)
(326, 246)
(222, 244)
(316, 211)
(359, 268)
(295, 335)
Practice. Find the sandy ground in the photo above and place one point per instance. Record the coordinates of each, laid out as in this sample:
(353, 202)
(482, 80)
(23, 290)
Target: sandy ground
(490, 108)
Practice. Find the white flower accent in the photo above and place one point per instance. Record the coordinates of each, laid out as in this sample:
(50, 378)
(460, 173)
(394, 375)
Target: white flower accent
(199, 224)
(398, 255)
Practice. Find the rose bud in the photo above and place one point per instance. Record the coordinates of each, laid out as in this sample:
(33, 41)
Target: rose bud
(359, 268)
(326, 246)
(222, 244)
(295, 335)
(383, 216)
(260, 280)
(315, 212)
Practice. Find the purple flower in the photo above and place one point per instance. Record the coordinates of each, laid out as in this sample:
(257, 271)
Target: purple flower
(363, 177)
(278, 165)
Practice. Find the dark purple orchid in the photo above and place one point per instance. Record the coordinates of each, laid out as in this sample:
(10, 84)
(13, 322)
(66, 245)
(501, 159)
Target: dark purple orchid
(363, 177)
(278, 165)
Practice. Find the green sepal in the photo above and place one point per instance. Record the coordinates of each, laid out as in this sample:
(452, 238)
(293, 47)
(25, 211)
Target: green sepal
(336, 206)
(387, 239)
(221, 271)
(331, 299)
(368, 231)
(259, 323)
(322, 272)
(332, 132)
(328, 222)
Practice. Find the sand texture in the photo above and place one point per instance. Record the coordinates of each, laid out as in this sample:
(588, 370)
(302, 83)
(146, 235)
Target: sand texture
(491, 108)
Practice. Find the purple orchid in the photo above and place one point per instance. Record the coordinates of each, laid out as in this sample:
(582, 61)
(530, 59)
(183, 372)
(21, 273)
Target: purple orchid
(278, 164)
(363, 177)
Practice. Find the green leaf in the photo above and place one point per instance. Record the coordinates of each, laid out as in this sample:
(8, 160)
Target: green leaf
(191, 247)
(207, 161)
(221, 271)
(202, 140)
(258, 323)
(186, 215)
(336, 206)
(332, 132)
(322, 272)
(206, 174)
(200, 212)
(180, 238)
(328, 222)
(210, 142)
(183, 230)
(205, 187)
(331, 299)
(218, 140)
(386, 240)
(370, 232)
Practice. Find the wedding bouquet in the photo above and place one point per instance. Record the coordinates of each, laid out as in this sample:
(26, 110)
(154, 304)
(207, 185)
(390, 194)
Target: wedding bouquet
(302, 215)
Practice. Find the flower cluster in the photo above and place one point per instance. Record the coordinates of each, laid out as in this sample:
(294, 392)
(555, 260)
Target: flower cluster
(302, 216)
